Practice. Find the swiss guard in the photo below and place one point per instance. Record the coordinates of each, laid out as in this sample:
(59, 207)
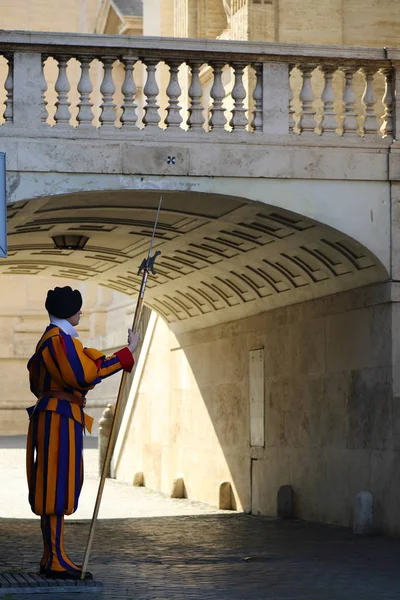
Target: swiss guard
(61, 372)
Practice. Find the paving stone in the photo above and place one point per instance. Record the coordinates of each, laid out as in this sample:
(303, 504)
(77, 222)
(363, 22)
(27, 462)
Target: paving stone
(202, 557)
(196, 552)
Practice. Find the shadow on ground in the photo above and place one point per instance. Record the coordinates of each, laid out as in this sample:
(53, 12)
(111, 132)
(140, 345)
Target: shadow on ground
(228, 557)
(18, 442)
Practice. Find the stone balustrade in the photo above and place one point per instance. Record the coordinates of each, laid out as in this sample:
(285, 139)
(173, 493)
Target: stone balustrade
(111, 83)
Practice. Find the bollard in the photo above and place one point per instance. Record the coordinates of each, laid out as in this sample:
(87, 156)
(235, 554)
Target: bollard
(363, 514)
(226, 497)
(104, 434)
(138, 479)
(285, 502)
(178, 488)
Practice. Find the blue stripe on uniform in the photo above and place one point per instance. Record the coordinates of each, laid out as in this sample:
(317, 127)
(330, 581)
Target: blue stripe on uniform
(49, 345)
(78, 462)
(74, 361)
(110, 363)
(62, 467)
(62, 562)
(47, 381)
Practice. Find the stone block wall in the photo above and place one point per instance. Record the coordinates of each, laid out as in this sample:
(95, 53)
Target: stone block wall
(371, 23)
(355, 23)
(328, 417)
(44, 15)
(301, 22)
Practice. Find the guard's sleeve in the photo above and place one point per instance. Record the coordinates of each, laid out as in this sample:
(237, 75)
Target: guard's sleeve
(80, 368)
(105, 364)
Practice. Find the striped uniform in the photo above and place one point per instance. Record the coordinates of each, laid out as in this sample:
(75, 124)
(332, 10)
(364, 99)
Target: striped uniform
(61, 372)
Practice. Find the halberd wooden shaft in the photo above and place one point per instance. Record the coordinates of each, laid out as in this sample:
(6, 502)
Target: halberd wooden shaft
(147, 264)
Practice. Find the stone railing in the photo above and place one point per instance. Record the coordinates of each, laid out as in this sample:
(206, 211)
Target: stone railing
(123, 84)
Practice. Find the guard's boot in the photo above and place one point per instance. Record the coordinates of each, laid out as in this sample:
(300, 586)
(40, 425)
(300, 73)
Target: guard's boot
(46, 554)
(55, 563)
(68, 574)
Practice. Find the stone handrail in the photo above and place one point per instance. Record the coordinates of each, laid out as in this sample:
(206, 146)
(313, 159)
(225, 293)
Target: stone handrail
(102, 85)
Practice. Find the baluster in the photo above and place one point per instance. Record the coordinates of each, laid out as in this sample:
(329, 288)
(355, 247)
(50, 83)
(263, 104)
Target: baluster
(151, 115)
(196, 118)
(292, 112)
(217, 119)
(44, 115)
(85, 114)
(257, 122)
(239, 119)
(307, 121)
(9, 86)
(107, 89)
(129, 116)
(62, 87)
(387, 100)
(368, 99)
(350, 118)
(328, 123)
(173, 118)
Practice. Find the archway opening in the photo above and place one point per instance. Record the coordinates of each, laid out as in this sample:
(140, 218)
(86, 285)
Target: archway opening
(235, 277)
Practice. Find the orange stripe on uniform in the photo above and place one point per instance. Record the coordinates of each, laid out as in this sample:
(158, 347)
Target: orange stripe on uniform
(51, 333)
(107, 371)
(76, 413)
(64, 364)
(52, 464)
(29, 454)
(52, 404)
(88, 365)
(39, 483)
(52, 367)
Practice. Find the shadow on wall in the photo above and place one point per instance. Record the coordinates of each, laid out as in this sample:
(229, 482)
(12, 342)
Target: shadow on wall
(325, 412)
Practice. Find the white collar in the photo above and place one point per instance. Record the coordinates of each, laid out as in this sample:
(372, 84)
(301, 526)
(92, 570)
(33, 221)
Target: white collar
(64, 325)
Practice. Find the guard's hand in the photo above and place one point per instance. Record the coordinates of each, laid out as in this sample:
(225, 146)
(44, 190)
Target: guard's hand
(133, 340)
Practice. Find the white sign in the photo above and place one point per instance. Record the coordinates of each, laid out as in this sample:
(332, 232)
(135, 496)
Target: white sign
(3, 210)
(256, 380)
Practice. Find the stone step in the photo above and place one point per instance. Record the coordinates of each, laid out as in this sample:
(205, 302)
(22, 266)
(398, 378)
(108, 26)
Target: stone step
(22, 583)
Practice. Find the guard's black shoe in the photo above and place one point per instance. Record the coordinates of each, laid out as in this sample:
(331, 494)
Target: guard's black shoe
(65, 574)
(43, 569)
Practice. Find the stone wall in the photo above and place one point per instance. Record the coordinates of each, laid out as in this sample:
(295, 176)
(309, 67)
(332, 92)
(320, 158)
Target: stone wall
(355, 23)
(43, 15)
(106, 317)
(327, 412)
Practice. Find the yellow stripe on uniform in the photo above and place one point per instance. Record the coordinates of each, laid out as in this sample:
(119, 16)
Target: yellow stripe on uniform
(71, 474)
(39, 483)
(52, 466)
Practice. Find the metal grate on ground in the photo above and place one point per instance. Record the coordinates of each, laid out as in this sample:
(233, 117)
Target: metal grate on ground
(32, 583)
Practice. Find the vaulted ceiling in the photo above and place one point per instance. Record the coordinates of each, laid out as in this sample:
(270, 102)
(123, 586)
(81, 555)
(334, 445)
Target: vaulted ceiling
(222, 258)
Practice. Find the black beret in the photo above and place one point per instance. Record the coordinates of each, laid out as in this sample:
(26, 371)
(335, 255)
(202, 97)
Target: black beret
(63, 302)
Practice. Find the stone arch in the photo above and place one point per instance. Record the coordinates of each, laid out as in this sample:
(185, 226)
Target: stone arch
(223, 257)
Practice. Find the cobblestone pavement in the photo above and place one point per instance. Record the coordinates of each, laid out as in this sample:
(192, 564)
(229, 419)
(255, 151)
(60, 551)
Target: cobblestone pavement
(220, 556)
